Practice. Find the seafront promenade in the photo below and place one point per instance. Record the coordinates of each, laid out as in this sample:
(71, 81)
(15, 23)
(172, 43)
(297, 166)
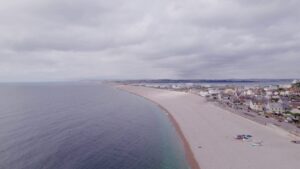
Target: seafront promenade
(211, 133)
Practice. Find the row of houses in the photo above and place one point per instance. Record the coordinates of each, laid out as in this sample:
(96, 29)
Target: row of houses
(276, 99)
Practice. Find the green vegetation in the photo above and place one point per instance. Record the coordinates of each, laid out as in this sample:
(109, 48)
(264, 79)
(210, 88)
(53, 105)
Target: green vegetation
(297, 85)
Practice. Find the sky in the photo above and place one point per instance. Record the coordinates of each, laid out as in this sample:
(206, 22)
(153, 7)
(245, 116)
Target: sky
(50, 40)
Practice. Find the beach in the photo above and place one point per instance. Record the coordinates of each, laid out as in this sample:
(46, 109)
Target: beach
(208, 133)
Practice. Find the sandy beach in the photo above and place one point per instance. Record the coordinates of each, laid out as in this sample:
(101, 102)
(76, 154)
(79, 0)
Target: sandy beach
(209, 133)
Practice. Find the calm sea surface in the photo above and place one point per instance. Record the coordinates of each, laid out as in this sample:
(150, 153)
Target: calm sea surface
(83, 126)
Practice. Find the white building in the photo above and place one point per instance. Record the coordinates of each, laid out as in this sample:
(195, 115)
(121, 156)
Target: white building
(203, 93)
(285, 86)
(295, 81)
(213, 91)
(249, 92)
(257, 105)
(295, 111)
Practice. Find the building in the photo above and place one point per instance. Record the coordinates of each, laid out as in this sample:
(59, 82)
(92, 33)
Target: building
(296, 111)
(213, 91)
(276, 108)
(229, 91)
(295, 114)
(257, 105)
(295, 81)
(203, 93)
(248, 92)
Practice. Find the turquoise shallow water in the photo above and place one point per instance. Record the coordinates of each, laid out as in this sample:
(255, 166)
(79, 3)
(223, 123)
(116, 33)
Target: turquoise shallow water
(84, 126)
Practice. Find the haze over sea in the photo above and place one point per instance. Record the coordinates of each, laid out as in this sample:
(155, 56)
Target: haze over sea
(83, 126)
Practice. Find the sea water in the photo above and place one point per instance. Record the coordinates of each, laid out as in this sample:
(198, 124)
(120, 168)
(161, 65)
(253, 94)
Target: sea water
(84, 126)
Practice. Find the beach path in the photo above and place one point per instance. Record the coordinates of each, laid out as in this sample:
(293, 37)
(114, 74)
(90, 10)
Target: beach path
(211, 131)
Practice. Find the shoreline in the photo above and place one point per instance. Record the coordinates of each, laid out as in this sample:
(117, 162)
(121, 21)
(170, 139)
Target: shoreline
(209, 133)
(189, 155)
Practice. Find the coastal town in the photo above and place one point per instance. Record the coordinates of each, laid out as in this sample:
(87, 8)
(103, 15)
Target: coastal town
(218, 119)
(277, 105)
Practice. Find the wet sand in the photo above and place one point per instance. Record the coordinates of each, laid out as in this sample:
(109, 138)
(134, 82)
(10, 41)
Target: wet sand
(208, 132)
(188, 151)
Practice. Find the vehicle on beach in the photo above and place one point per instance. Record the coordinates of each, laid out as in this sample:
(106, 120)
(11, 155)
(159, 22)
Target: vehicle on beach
(243, 137)
(296, 141)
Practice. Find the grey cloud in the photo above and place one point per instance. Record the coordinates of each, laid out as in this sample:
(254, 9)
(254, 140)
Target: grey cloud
(79, 39)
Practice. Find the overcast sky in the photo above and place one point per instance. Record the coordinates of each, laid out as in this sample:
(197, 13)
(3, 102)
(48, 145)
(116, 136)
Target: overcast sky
(43, 40)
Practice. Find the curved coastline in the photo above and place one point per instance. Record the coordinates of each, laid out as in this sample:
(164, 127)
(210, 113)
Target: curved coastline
(193, 164)
(209, 138)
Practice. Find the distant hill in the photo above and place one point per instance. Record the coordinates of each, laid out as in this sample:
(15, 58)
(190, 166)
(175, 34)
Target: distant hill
(207, 81)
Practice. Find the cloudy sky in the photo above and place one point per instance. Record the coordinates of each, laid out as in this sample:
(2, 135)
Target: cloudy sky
(43, 40)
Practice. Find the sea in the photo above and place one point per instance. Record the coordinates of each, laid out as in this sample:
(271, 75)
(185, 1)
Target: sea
(84, 126)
